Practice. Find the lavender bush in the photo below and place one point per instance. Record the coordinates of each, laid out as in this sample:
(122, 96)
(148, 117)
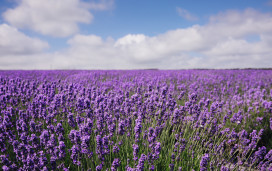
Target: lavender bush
(136, 120)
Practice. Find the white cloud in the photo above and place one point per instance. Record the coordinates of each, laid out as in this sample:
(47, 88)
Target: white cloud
(82, 41)
(186, 14)
(57, 18)
(130, 39)
(13, 42)
(221, 43)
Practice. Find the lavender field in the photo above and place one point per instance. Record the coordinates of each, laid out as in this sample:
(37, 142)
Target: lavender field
(136, 120)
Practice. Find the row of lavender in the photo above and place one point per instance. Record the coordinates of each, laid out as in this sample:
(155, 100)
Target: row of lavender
(136, 120)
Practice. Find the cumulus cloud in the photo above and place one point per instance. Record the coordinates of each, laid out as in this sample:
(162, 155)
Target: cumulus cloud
(19, 51)
(130, 39)
(55, 17)
(221, 43)
(82, 40)
(186, 14)
(13, 42)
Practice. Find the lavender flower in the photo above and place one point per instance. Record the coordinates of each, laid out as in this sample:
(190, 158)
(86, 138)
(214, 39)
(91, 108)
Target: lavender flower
(204, 162)
(270, 121)
(224, 168)
(61, 150)
(142, 159)
(115, 149)
(135, 151)
(157, 150)
(121, 127)
(99, 167)
(171, 166)
(115, 164)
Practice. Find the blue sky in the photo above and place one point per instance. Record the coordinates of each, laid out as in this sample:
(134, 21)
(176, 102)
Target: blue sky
(135, 34)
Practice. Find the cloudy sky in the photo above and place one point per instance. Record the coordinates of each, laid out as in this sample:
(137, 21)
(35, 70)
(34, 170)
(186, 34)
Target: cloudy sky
(135, 34)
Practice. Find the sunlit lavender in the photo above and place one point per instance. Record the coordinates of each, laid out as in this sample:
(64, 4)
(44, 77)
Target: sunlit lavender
(136, 120)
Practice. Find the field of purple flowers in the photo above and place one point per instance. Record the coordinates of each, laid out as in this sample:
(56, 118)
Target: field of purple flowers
(136, 120)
